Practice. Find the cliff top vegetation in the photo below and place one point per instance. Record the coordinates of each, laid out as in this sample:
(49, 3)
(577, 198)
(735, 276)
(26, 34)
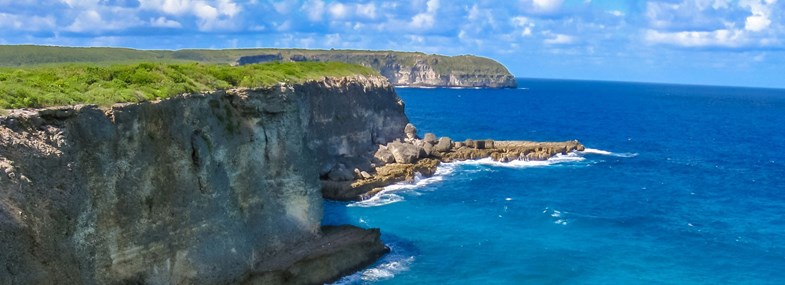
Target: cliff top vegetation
(106, 84)
(25, 55)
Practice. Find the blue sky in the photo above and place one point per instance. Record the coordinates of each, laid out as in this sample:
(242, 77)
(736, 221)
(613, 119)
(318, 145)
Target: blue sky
(719, 42)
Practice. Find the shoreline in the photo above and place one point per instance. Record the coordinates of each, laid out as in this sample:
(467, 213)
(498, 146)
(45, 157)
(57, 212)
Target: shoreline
(403, 159)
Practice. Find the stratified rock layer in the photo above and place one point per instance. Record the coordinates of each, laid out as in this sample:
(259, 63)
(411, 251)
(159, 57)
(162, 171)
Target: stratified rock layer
(199, 189)
(406, 68)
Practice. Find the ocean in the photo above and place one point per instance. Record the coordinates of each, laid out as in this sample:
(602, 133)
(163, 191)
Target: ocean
(679, 185)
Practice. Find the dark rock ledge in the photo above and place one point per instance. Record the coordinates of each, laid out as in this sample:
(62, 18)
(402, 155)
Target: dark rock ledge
(400, 160)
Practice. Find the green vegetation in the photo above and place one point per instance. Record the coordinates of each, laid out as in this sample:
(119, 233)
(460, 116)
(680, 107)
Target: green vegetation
(25, 55)
(105, 84)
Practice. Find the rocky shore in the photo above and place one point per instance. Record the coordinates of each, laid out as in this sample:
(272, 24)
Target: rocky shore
(402, 159)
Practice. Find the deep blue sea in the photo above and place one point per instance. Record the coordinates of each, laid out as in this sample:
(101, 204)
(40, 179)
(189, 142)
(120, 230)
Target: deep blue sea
(681, 185)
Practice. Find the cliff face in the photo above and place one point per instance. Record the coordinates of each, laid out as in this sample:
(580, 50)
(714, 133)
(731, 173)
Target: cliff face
(207, 189)
(407, 69)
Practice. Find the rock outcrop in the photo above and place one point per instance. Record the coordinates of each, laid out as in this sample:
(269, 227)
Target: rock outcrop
(401, 161)
(406, 68)
(215, 188)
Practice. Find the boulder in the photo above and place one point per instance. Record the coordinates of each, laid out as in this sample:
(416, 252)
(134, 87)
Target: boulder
(384, 155)
(469, 143)
(428, 149)
(483, 144)
(430, 138)
(410, 131)
(404, 152)
(457, 145)
(444, 145)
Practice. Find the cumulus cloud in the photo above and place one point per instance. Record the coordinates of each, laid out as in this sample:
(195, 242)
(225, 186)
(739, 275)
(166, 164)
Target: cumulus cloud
(558, 39)
(338, 10)
(426, 19)
(712, 23)
(163, 22)
(314, 9)
(541, 6)
(718, 38)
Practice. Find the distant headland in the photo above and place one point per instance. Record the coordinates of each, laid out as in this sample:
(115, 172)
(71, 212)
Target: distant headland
(413, 69)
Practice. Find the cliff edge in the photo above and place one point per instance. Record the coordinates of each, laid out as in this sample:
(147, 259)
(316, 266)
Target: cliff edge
(214, 188)
(406, 68)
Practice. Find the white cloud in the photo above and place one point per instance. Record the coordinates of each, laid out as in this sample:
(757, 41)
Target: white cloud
(81, 3)
(558, 39)
(422, 21)
(163, 22)
(616, 13)
(205, 12)
(314, 9)
(91, 21)
(172, 7)
(26, 23)
(228, 8)
(524, 23)
(757, 23)
(547, 5)
(717, 38)
(367, 10)
(338, 10)
(433, 5)
(761, 11)
(428, 19)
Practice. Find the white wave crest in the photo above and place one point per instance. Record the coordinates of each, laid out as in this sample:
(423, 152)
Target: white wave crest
(605, 152)
(391, 265)
(377, 200)
(387, 196)
(559, 158)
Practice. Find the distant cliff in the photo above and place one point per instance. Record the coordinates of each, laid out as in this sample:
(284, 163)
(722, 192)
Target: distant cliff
(406, 68)
(401, 68)
(216, 188)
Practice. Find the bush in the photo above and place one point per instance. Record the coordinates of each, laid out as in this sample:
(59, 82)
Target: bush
(68, 84)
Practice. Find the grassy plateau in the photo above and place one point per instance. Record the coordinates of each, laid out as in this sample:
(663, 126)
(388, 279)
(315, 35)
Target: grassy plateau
(105, 84)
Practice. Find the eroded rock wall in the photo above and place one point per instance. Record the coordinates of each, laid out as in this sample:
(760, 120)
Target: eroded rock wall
(194, 189)
(407, 69)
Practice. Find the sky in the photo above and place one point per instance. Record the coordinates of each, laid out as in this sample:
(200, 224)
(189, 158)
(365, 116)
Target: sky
(714, 42)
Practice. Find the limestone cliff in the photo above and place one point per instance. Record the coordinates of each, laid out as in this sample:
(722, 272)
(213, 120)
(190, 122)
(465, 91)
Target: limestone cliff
(406, 69)
(401, 68)
(211, 188)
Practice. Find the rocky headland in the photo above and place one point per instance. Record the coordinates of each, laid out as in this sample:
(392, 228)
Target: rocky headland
(401, 160)
(405, 68)
(223, 187)
(215, 188)
(401, 68)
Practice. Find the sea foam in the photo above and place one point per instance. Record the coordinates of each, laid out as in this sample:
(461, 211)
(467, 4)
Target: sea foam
(389, 196)
(608, 153)
(396, 262)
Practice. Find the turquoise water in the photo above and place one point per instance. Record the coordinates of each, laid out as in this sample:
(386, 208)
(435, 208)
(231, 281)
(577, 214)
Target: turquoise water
(682, 185)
